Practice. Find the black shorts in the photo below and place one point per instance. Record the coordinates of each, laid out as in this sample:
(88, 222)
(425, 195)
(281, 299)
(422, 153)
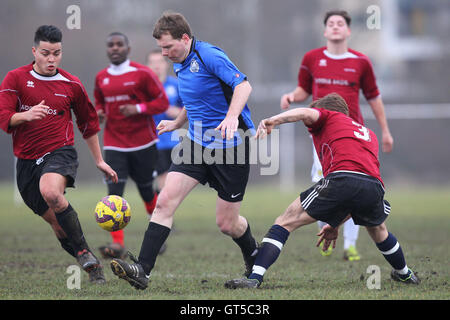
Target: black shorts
(228, 177)
(341, 193)
(164, 161)
(139, 165)
(29, 172)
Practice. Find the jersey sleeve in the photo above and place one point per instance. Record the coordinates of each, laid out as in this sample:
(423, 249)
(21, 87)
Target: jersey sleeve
(8, 101)
(305, 78)
(368, 81)
(98, 95)
(218, 63)
(157, 99)
(85, 113)
(317, 126)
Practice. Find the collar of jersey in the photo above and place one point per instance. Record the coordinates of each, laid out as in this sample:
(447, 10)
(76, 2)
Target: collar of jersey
(124, 67)
(345, 55)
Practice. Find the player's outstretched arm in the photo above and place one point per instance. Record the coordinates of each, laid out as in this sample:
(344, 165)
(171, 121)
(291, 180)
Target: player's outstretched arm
(94, 148)
(307, 115)
(377, 107)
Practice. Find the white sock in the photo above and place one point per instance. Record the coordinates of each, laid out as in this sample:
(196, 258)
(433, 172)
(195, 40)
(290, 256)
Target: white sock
(351, 231)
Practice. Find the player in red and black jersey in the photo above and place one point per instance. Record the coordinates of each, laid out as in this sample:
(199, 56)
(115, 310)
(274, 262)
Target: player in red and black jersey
(337, 68)
(127, 94)
(36, 101)
(351, 186)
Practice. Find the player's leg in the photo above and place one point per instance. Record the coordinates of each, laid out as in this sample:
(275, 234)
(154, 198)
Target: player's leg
(50, 218)
(52, 186)
(141, 166)
(388, 245)
(231, 223)
(316, 175)
(178, 186)
(272, 244)
(351, 231)
(119, 163)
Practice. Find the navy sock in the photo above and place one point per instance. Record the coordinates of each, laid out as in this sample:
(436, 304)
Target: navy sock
(270, 249)
(392, 252)
(154, 238)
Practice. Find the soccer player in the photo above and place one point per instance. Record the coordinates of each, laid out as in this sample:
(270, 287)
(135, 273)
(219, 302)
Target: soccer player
(352, 184)
(36, 101)
(127, 94)
(167, 141)
(214, 93)
(337, 68)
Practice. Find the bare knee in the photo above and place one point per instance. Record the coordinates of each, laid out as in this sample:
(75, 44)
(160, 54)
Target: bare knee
(226, 225)
(54, 198)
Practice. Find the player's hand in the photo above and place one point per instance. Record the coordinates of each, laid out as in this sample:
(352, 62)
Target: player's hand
(166, 126)
(228, 127)
(110, 174)
(37, 112)
(264, 128)
(101, 116)
(286, 100)
(328, 235)
(128, 109)
(387, 142)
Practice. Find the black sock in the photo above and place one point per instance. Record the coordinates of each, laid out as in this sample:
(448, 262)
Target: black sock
(68, 220)
(65, 243)
(154, 238)
(246, 242)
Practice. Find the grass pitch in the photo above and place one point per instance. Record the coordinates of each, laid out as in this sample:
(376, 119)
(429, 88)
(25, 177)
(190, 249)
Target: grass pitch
(199, 259)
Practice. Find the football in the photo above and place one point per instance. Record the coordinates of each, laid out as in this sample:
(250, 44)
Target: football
(112, 213)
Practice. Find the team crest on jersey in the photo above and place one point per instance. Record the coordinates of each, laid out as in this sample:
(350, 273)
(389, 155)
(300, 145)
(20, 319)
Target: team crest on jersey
(30, 84)
(105, 81)
(322, 62)
(194, 66)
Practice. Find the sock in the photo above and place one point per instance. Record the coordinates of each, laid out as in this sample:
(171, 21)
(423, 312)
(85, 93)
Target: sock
(350, 233)
(151, 205)
(321, 224)
(246, 242)
(68, 220)
(65, 244)
(118, 237)
(271, 247)
(154, 238)
(392, 252)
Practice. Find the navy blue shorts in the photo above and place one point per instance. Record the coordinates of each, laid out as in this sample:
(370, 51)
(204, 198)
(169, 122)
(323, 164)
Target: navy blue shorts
(331, 199)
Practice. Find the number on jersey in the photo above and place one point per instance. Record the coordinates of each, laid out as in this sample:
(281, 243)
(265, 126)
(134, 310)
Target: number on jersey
(362, 133)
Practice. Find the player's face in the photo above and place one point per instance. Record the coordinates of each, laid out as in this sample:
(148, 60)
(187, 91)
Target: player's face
(175, 49)
(47, 57)
(336, 29)
(157, 63)
(117, 49)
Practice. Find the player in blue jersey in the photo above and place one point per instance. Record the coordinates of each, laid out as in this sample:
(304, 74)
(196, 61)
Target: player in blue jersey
(167, 141)
(215, 151)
